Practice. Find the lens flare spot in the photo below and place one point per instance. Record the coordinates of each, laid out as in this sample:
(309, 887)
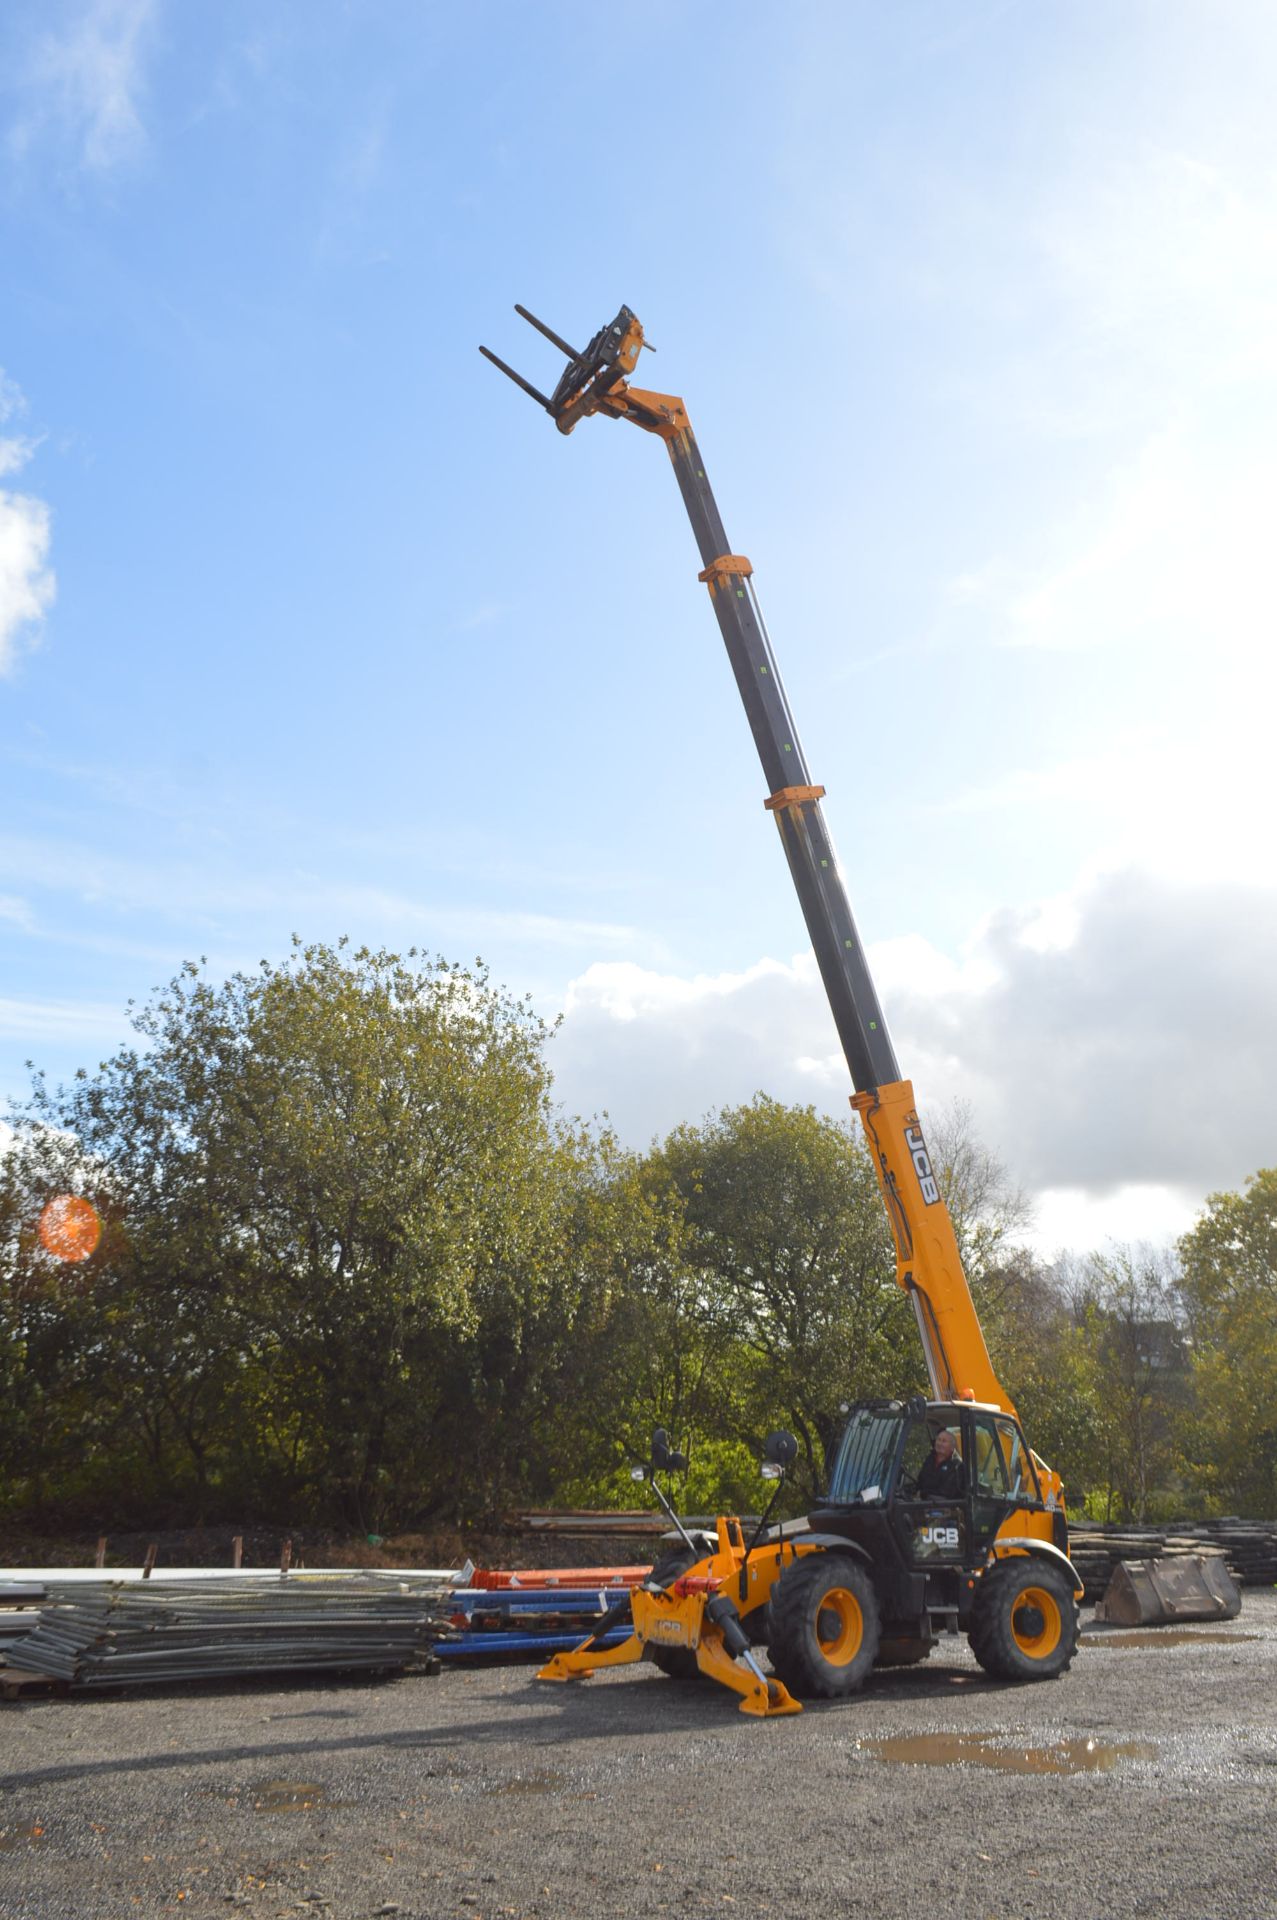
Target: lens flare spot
(70, 1228)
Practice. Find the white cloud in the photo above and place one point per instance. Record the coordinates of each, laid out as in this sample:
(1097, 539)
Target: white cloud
(1167, 586)
(213, 894)
(1069, 1219)
(1174, 553)
(83, 83)
(26, 584)
(37, 1020)
(1114, 1046)
(1162, 261)
(26, 581)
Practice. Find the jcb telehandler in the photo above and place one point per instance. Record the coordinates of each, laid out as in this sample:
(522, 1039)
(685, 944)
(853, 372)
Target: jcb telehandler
(885, 1564)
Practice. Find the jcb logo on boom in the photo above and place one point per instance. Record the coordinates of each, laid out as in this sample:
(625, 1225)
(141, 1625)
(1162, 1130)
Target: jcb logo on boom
(939, 1536)
(922, 1165)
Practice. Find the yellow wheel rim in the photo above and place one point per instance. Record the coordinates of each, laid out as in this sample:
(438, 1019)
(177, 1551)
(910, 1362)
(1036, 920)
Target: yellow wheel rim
(1036, 1622)
(840, 1626)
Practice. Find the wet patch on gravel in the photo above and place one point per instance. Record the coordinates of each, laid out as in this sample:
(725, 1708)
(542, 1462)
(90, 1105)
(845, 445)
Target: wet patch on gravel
(1162, 1637)
(1087, 1755)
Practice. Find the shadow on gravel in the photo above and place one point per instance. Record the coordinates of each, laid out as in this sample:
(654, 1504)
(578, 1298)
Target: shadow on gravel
(582, 1717)
(544, 1717)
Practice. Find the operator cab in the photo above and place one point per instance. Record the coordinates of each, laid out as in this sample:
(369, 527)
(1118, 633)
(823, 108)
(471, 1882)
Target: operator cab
(878, 1471)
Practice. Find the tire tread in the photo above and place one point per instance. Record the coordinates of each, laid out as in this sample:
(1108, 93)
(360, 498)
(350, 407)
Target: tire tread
(991, 1638)
(792, 1644)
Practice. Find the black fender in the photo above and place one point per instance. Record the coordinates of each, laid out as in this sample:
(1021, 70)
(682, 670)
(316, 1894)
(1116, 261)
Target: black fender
(705, 1543)
(832, 1542)
(1009, 1544)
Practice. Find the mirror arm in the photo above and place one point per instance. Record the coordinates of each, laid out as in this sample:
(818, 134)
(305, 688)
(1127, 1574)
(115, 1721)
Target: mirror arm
(764, 1517)
(670, 1513)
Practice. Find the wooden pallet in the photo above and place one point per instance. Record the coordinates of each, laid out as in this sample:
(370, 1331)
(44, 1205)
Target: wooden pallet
(17, 1684)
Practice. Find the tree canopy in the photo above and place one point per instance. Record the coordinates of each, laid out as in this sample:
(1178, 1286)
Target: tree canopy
(343, 1259)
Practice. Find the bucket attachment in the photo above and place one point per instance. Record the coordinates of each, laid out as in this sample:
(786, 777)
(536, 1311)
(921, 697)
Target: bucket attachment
(1181, 1586)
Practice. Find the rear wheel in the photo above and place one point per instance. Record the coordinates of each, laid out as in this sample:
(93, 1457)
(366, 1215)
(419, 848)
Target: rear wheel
(1025, 1625)
(824, 1626)
(677, 1663)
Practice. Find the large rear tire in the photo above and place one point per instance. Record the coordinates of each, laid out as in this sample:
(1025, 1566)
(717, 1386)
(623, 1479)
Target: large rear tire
(677, 1663)
(824, 1626)
(1025, 1625)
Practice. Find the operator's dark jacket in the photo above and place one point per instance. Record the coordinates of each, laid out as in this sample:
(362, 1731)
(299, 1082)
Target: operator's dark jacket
(942, 1480)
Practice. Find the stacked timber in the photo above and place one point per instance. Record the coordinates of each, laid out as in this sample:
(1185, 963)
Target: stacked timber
(1249, 1548)
(643, 1523)
(110, 1634)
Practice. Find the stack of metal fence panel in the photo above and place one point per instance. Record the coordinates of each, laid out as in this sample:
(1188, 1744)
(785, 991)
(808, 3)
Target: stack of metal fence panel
(110, 1634)
(17, 1598)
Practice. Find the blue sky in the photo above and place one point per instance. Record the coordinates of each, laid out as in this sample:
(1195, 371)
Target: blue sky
(310, 622)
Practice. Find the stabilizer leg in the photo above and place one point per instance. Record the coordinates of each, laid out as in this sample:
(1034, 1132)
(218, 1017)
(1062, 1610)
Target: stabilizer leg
(580, 1662)
(759, 1695)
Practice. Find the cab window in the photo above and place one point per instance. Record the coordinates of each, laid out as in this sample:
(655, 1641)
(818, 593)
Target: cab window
(918, 1441)
(1003, 1467)
(990, 1466)
(1022, 1481)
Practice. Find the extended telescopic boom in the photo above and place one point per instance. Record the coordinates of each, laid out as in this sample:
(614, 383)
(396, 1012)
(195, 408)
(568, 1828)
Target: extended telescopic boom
(928, 1263)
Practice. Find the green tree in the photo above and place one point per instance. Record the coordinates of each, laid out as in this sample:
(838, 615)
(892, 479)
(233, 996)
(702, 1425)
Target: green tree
(788, 1238)
(1048, 1364)
(338, 1200)
(1128, 1305)
(655, 1346)
(1229, 1262)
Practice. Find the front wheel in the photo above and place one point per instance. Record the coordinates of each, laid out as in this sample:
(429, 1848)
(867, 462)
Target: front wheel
(823, 1626)
(1025, 1625)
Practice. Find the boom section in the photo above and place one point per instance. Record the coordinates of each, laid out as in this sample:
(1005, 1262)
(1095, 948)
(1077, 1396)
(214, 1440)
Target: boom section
(928, 1263)
(793, 799)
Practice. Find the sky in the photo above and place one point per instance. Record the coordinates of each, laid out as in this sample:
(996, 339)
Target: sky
(311, 623)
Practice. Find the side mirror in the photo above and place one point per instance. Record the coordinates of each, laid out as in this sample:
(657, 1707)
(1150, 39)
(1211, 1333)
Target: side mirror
(780, 1450)
(663, 1460)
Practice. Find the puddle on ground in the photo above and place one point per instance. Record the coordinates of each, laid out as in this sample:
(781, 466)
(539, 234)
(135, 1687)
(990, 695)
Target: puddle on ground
(11, 1838)
(289, 1796)
(981, 1750)
(1163, 1637)
(544, 1782)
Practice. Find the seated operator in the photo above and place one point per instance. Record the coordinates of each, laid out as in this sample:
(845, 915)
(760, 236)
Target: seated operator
(943, 1476)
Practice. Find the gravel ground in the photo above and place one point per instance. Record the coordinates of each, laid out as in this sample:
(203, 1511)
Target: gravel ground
(1144, 1782)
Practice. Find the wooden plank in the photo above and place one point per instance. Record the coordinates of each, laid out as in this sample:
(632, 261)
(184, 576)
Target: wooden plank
(15, 1682)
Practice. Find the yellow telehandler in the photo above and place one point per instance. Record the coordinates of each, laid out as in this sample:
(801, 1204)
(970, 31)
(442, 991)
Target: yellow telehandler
(899, 1551)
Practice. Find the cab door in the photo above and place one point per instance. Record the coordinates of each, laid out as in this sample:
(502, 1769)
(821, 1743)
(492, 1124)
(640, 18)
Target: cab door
(1000, 1474)
(933, 1533)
